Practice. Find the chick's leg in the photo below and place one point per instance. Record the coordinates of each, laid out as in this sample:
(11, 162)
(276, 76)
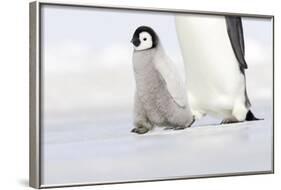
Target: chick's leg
(141, 122)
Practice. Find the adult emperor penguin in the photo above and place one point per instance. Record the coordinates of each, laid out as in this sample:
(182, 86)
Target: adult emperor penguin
(160, 97)
(213, 52)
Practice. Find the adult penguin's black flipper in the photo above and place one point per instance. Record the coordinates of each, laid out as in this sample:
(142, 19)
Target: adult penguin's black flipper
(235, 33)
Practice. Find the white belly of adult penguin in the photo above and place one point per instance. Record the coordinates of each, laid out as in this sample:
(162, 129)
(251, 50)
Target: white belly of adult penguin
(160, 97)
(213, 52)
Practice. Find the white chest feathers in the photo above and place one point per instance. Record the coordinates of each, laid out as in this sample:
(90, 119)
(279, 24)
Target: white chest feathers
(212, 70)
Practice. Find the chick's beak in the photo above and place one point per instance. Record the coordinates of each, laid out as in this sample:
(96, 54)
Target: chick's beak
(135, 41)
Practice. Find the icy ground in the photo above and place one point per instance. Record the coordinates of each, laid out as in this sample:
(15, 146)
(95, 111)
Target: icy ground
(108, 152)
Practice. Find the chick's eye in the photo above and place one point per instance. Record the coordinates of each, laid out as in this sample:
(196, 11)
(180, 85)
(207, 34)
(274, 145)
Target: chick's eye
(144, 39)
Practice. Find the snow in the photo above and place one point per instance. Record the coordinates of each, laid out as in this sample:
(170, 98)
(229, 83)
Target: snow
(108, 152)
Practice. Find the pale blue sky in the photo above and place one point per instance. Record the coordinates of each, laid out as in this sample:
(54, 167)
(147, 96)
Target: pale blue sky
(100, 28)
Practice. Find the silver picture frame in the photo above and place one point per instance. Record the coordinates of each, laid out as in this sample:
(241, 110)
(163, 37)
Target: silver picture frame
(35, 93)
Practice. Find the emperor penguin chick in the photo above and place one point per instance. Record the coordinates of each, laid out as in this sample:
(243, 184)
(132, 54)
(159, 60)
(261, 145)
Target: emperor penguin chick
(160, 97)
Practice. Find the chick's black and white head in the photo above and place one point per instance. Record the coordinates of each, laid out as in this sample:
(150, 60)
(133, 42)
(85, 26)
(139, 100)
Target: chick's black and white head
(144, 38)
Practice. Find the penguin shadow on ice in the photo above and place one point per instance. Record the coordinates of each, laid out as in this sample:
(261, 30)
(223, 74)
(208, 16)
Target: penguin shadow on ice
(160, 97)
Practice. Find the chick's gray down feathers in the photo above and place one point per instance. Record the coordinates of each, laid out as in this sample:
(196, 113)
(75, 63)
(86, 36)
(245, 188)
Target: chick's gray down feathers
(160, 97)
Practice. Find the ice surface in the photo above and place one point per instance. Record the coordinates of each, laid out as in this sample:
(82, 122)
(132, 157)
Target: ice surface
(108, 152)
